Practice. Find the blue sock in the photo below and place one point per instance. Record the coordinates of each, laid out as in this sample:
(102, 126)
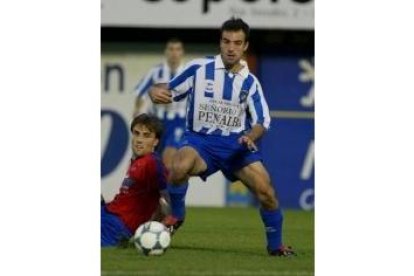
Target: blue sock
(177, 196)
(273, 221)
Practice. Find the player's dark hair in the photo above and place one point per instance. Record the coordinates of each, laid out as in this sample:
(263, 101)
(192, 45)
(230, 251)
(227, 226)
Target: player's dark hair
(174, 40)
(150, 121)
(236, 24)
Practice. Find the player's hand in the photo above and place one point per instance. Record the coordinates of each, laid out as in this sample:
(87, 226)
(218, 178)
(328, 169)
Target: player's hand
(160, 95)
(246, 140)
(165, 206)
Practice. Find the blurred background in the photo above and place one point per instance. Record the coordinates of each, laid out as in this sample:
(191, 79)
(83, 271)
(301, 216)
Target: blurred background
(281, 55)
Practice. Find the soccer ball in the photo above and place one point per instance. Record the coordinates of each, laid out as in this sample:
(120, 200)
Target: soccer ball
(152, 238)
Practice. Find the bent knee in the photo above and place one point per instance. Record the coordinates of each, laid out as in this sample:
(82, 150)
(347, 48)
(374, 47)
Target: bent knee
(179, 172)
(267, 198)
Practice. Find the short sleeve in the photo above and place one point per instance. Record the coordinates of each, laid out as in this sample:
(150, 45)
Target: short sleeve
(182, 84)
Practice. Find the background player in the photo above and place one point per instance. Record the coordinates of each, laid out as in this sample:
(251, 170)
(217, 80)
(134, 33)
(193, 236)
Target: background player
(142, 195)
(172, 116)
(227, 114)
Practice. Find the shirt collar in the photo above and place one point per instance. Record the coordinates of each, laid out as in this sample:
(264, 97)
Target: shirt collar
(218, 64)
(168, 69)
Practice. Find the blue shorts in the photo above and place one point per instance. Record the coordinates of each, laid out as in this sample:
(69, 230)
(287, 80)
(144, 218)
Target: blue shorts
(172, 134)
(221, 153)
(113, 230)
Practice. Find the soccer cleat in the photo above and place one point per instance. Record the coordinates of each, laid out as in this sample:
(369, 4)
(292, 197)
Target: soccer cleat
(283, 251)
(172, 223)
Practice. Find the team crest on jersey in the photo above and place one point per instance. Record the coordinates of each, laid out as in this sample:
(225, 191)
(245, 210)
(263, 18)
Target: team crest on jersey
(243, 95)
(209, 89)
(128, 182)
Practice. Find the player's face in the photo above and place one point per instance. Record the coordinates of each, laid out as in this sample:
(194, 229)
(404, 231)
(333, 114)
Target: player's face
(174, 52)
(143, 140)
(232, 46)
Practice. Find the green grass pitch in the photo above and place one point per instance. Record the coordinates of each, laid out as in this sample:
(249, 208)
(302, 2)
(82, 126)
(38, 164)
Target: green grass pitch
(221, 241)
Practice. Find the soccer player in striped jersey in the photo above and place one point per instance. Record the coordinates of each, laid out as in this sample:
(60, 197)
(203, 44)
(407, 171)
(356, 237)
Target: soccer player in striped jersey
(172, 116)
(143, 194)
(226, 115)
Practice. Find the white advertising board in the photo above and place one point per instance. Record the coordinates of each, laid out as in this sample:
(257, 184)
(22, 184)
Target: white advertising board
(259, 14)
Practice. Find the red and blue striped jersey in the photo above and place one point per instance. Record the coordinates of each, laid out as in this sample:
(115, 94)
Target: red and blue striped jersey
(139, 194)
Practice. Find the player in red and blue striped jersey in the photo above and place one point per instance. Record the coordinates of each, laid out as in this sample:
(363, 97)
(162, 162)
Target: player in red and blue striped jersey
(227, 114)
(143, 193)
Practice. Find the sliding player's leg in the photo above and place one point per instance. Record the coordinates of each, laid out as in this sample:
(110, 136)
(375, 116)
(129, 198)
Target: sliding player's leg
(113, 230)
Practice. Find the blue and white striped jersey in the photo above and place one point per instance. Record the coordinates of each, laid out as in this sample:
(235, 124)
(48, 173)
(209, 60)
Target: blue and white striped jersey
(220, 102)
(160, 74)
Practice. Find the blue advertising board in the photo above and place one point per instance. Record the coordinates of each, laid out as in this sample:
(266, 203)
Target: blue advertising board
(289, 156)
(287, 82)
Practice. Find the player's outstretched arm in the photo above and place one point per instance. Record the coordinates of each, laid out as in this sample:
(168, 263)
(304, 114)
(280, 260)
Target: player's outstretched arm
(165, 203)
(164, 207)
(159, 94)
